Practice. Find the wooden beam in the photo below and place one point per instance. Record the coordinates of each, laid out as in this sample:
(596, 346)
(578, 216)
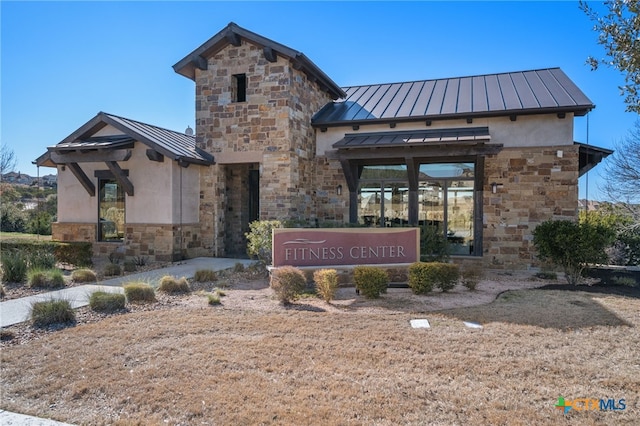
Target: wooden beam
(154, 155)
(119, 175)
(270, 54)
(433, 151)
(233, 38)
(82, 178)
(62, 157)
(200, 62)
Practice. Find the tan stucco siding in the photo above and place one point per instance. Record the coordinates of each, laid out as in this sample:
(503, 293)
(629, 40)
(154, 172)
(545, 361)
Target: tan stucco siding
(156, 191)
(526, 131)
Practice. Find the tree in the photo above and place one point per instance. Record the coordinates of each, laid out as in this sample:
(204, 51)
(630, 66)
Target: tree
(622, 174)
(619, 34)
(7, 159)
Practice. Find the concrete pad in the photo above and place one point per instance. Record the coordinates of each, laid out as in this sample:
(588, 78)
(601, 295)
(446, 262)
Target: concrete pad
(472, 324)
(420, 323)
(14, 419)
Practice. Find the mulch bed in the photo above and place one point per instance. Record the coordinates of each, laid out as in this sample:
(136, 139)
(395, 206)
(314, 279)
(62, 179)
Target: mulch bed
(618, 290)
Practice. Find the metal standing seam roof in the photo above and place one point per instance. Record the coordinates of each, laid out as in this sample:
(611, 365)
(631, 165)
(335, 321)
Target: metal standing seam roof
(524, 92)
(396, 139)
(174, 145)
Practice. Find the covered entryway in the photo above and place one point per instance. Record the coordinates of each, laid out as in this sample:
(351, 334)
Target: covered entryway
(242, 188)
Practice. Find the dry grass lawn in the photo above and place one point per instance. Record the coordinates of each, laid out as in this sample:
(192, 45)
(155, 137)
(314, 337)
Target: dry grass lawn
(314, 363)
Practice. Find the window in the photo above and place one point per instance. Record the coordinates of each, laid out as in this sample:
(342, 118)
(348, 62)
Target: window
(383, 198)
(240, 87)
(111, 212)
(446, 201)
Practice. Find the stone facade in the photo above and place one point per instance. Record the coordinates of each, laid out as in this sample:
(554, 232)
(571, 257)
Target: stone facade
(534, 185)
(272, 126)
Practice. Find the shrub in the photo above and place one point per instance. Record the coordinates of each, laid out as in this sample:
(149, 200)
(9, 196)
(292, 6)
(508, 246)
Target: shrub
(423, 276)
(626, 281)
(259, 239)
(371, 281)
(75, 253)
(238, 268)
(287, 282)
(420, 278)
(169, 284)
(111, 269)
(447, 276)
(140, 260)
(45, 278)
(52, 312)
(83, 275)
(572, 246)
(42, 259)
(470, 276)
(115, 257)
(205, 275)
(547, 275)
(14, 267)
(326, 283)
(6, 335)
(129, 265)
(101, 301)
(434, 246)
(139, 292)
(213, 299)
(3, 292)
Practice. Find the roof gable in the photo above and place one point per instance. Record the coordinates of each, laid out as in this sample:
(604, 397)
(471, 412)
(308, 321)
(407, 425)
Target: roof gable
(233, 34)
(525, 92)
(174, 145)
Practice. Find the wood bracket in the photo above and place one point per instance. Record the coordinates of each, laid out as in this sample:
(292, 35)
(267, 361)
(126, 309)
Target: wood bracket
(121, 177)
(82, 178)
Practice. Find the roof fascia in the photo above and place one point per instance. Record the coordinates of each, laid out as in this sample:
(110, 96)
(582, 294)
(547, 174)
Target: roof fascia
(579, 111)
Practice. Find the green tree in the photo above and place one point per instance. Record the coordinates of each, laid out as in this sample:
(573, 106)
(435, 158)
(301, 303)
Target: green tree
(619, 33)
(572, 246)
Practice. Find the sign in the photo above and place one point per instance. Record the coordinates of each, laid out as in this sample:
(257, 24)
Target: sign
(345, 246)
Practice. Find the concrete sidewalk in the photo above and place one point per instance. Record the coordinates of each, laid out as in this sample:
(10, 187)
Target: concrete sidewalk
(18, 310)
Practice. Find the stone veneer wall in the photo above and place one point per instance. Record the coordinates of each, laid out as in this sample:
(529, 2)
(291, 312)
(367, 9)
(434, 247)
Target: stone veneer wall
(73, 231)
(537, 186)
(331, 206)
(275, 120)
(162, 241)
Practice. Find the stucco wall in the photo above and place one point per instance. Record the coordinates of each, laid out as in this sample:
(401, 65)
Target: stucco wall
(156, 191)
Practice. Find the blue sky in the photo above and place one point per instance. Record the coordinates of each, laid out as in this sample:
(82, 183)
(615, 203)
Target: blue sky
(63, 62)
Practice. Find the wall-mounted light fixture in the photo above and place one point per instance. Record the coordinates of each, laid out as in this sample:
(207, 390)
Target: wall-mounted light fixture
(339, 190)
(495, 186)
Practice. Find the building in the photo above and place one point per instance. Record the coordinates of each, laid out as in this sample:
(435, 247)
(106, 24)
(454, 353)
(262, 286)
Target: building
(482, 158)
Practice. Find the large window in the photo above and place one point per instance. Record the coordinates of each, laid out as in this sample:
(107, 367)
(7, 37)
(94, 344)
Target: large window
(445, 200)
(383, 198)
(111, 213)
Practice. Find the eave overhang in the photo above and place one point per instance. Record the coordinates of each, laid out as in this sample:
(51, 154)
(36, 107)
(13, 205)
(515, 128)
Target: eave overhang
(590, 156)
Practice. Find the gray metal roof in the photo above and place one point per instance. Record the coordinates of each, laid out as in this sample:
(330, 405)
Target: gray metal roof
(525, 92)
(174, 145)
(232, 34)
(418, 137)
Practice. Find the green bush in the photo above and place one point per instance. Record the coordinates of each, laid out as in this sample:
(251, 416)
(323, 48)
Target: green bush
(259, 239)
(140, 260)
(171, 285)
(83, 275)
(287, 282)
(447, 276)
(326, 283)
(470, 276)
(205, 276)
(370, 281)
(75, 253)
(213, 299)
(434, 246)
(424, 276)
(129, 265)
(52, 312)
(238, 268)
(111, 269)
(40, 223)
(45, 278)
(101, 301)
(14, 266)
(421, 278)
(139, 292)
(572, 246)
(42, 259)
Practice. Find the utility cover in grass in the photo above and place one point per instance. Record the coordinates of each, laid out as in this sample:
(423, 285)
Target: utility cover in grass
(472, 324)
(420, 323)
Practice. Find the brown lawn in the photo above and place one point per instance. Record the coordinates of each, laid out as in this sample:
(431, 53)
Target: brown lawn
(251, 361)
